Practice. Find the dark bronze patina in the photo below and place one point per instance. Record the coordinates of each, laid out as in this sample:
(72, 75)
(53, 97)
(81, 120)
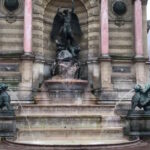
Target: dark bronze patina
(141, 98)
(138, 121)
(7, 114)
(65, 33)
(119, 7)
(66, 29)
(4, 98)
(11, 5)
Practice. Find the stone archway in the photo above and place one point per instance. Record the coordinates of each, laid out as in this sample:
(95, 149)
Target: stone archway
(89, 18)
(49, 14)
(88, 12)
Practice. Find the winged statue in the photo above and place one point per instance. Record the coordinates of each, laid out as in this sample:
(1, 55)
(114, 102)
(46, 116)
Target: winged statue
(65, 32)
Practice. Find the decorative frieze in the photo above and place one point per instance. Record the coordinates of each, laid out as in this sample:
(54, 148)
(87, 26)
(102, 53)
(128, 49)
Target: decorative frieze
(11, 9)
(125, 15)
(9, 67)
(121, 69)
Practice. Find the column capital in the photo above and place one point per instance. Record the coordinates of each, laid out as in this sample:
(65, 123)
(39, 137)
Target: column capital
(144, 2)
(28, 56)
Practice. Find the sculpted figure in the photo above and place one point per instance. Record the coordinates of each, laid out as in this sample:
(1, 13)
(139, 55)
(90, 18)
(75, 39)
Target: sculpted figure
(141, 98)
(65, 30)
(4, 98)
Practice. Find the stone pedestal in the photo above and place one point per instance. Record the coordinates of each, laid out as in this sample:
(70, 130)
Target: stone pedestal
(7, 124)
(140, 72)
(26, 84)
(106, 73)
(64, 91)
(138, 123)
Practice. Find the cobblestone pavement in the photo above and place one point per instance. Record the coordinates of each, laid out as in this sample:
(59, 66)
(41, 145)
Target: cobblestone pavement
(142, 145)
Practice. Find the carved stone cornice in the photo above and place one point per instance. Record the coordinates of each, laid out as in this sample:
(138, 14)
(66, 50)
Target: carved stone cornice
(144, 2)
(18, 12)
(28, 56)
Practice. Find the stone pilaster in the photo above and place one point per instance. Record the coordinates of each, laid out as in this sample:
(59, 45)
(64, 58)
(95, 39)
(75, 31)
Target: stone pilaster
(105, 59)
(27, 59)
(27, 79)
(94, 74)
(106, 72)
(138, 28)
(104, 28)
(140, 70)
(139, 51)
(28, 26)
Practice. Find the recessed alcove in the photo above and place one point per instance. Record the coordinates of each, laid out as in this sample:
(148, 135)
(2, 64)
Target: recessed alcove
(50, 11)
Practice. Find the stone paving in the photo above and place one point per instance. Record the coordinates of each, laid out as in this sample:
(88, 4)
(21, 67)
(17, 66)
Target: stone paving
(142, 145)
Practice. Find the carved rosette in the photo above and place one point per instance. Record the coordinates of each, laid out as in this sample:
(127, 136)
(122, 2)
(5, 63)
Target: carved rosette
(11, 9)
(120, 11)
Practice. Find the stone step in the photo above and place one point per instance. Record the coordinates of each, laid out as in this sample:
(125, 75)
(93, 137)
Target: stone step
(74, 143)
(70, 134)
(69, 121)
(63, 101)
(64, 109)
(112, 121)
(61, 121)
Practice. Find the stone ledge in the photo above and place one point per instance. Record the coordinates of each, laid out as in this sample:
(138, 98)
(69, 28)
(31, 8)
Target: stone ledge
(28, 56)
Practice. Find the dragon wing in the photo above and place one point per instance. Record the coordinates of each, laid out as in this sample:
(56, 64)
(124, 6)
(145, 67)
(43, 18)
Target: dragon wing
(57, 24)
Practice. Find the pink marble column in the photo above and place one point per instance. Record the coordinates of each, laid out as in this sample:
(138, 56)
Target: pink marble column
(104, 28)
(28, 26)
(138, 28)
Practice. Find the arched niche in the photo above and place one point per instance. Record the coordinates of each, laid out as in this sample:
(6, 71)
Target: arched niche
(50, 11)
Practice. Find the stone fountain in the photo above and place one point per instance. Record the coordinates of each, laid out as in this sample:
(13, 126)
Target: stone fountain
(66, 111)
(65, 73)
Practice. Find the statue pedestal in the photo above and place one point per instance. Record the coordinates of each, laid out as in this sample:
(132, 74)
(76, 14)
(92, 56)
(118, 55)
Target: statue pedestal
(63, 91)
(7, 124)
(138, 123)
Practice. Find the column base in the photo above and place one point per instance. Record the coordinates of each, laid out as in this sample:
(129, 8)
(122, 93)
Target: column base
(140, 73)
(139, 58)
(106, 72)
(26, 84)
(27, 56)
(105, 57)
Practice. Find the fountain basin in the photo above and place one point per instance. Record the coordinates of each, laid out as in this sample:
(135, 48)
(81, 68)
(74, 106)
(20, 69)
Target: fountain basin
(62, 91)
(76, 143)
(66, 84)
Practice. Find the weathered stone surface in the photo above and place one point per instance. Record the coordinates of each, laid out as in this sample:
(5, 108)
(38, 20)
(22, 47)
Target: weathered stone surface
(111, 79)
(7, 124)
(9, 67)
(138, 123)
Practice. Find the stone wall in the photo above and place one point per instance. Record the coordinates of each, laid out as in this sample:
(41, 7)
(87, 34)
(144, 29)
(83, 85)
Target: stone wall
(11, 33)
(121, 31)
(122, 65)
(11, 46)
(121, 39)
